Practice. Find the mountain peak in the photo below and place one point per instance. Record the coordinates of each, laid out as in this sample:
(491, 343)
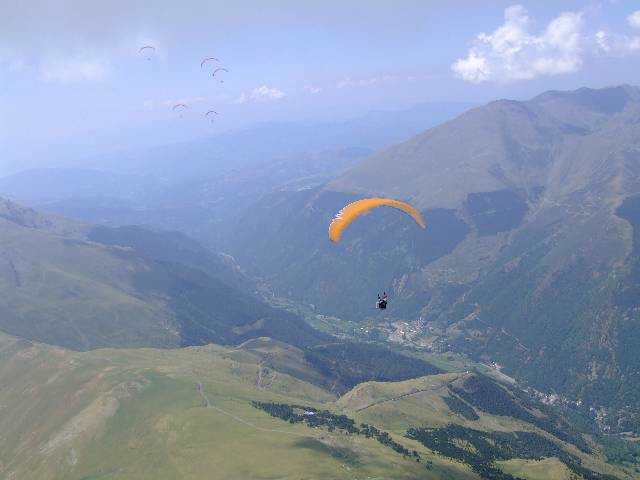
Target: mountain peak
(20, 215)
(606, 101)
(505, 144)
(29, 218)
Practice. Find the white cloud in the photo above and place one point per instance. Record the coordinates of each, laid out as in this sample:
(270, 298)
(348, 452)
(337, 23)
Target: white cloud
(71, 41)
(261, 94)
(513, 52)
(188, 101)
(74, 70)
(152, 104)
(475, 68)
(616, 45)
(602, 41)
(348, 82)
(365, 82)
(419, 78)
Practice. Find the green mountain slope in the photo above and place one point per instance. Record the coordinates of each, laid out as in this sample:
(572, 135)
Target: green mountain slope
(220, 413)
(529, 259)
(60, 286)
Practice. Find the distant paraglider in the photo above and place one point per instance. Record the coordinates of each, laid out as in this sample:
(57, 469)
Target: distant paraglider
(180, 108)
(207, 60)
(351, 212)
(148, 51)
(210, 64)
(213, 61)
(211, 114)
(217, 71)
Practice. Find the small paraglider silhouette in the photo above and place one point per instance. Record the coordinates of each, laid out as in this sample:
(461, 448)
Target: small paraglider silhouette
(148, 51)
(211, 114)
(180, 108)
(207, 60)
(217, 71)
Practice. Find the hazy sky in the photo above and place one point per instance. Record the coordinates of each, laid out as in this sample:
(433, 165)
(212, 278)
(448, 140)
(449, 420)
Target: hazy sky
(72, 80)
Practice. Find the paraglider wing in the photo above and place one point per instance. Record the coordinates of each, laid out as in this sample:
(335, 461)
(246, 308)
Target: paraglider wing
(180, 108)
(351, 212)
(148, 50)
(211, 113)
(219, 69)
(208, 59)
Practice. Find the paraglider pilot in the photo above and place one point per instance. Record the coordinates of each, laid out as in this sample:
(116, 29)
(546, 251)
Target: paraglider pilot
(382, 301)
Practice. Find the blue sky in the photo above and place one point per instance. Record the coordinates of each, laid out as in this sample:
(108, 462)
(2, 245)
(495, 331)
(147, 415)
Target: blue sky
(72, 82)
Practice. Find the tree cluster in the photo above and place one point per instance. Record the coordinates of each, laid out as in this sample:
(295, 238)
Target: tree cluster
(315, 418)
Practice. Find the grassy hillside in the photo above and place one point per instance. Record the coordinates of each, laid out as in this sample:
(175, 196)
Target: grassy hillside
(173, 247)
(137, 288)
(188, 413)
(138, 414)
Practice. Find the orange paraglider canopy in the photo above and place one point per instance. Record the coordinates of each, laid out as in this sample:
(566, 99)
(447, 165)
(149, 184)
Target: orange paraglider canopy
(351, 212)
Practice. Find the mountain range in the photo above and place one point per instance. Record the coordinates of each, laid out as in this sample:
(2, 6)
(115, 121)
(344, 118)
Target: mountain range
(508, 349)
(529, 260)
(201, 187)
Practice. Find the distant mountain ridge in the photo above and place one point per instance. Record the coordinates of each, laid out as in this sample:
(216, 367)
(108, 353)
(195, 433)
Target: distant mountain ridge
(503, 145)
(200, 187)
